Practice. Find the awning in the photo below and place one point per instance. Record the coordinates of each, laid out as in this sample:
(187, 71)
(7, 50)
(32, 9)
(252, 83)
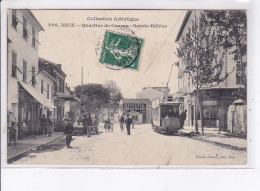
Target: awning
(37, 95)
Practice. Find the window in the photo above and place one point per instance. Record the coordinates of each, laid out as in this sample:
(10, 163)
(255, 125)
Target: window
(210, 112)
(33, 76)
(25, 33)
(14, 64)
(240, 72)
(33, 37)
(61, 85)
(42, 84)
(14, 19)
(24, 71)
(52, 92)
(48, 91)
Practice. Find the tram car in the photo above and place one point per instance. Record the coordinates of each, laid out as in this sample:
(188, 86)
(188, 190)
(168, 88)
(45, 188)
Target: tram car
(165, 116)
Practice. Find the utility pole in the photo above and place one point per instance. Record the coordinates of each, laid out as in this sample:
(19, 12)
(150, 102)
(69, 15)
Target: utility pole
(81, 93)
(166, 93)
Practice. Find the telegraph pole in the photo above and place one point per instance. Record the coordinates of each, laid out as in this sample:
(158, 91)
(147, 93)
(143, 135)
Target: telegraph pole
(81, 93)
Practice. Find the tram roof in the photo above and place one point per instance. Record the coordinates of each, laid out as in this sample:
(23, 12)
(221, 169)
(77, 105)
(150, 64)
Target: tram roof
(170, 103)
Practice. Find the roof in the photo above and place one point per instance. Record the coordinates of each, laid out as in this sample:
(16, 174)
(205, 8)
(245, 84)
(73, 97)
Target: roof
(238, 101)
(34, 18)
(132, 100)
(134, 113)
(158, 88)
(67, 96)
(45, 72)
(37, 95)
(184, 22)
(170, 103)
(43, 60)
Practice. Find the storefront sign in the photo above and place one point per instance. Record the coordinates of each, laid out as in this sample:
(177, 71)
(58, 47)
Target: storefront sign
(134, 107)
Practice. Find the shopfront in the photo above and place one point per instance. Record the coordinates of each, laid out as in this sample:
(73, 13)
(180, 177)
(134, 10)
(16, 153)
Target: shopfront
(142, 106)
(30, 108)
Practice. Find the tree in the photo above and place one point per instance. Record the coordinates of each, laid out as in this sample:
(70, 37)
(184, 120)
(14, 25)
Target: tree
(203, 58)
(93, 96)
(115, 94)
(114, 90)
(232, 27)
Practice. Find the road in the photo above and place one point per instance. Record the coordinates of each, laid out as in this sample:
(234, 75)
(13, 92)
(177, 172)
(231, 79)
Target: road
(143, 147)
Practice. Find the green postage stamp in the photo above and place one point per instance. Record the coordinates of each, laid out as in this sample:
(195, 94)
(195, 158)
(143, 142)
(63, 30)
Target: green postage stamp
(121, 50)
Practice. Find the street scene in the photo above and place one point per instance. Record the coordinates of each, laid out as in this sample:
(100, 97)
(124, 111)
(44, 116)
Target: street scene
(89, 87)
(138, 149)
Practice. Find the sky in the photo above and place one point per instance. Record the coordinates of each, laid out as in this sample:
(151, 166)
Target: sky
(75, 47)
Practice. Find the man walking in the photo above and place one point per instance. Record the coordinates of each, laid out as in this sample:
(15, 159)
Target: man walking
(12, 134)
(133, 124)
(112, 124)
(121, 121)
(128, 123)
(44, 124)
(84, 123)
(96, 124)
(183, 118)
(89, 124)
(68, 131)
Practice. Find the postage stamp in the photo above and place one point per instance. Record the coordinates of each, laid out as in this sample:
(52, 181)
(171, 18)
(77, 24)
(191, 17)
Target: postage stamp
(121, 50)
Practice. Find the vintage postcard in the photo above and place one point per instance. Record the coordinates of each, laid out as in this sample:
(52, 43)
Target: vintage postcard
(126, 87)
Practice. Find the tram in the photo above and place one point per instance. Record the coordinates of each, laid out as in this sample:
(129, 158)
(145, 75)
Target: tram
(165, 116)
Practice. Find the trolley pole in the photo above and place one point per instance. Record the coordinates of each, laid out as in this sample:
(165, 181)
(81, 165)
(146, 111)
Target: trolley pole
(166, 93)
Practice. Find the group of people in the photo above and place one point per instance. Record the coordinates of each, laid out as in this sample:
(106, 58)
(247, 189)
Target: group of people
(89, 123)
(46, 125)
(109, 125)
(128, 121)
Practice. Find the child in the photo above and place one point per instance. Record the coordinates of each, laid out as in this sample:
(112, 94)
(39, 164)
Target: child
(12, 134)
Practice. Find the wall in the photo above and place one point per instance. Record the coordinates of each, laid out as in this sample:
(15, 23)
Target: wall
(150, 94)
(25, 51)
(237, 119)
(47, 80)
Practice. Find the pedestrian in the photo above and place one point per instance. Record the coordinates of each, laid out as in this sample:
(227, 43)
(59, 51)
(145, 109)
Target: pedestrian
(183, 116)
(68, 131)
(105, 125)
(84, 123)
(96, 124)
(128, 123)
(89, 124)
(111, 124)
(50, 126)
(44, 124)
(121, 121)
(12, 134)
(108, 124)
(133, 124)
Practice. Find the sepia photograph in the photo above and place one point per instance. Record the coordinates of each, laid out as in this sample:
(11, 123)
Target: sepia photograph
(134, 88)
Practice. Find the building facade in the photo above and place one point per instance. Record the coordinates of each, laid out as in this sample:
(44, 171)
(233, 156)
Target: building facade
(142, 106)
(61, 97)
(24, 99)
(153, 93)
(215, 101)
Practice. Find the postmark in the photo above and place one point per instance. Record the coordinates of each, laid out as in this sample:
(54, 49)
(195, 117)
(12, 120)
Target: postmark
(121, 51)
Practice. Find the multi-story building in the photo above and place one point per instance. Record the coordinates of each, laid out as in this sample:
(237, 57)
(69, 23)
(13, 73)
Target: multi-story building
(56, 72)
(215, 100)
(63, 97)
(153, 93)
(24, 99)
